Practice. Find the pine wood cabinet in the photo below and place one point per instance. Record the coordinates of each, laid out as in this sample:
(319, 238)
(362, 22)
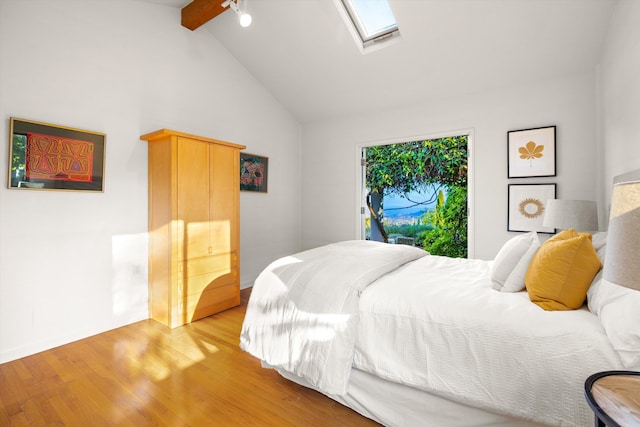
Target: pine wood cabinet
(194, 206)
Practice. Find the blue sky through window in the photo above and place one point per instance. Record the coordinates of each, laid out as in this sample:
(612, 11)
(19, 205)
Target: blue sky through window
(413, 205)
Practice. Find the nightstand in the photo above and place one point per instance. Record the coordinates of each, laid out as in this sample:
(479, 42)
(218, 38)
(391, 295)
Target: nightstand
(614, 397)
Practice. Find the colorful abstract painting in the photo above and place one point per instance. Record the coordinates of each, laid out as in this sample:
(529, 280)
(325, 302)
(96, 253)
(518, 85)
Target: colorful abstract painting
(253, 172)
(57, 158)
(45, 156)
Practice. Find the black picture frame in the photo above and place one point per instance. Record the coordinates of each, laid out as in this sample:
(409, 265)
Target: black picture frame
(254, 172)
(531, 152)
(526, 205)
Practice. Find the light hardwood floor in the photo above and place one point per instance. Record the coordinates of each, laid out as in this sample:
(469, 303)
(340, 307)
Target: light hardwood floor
(146, 374)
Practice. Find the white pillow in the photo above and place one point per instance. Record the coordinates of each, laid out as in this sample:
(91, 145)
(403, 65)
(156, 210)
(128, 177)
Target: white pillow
(511, 263)
(619, 311)
(599, 240)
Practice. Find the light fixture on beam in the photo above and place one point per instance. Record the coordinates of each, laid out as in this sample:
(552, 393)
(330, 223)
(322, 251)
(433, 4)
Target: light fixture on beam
(244, 17)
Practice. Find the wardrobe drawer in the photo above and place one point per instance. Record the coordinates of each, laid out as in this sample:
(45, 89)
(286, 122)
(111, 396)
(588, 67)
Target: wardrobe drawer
(212, 301)
(196, 275)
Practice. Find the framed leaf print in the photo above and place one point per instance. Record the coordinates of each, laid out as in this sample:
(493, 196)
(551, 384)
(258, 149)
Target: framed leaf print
(532, 152)
(527, 203)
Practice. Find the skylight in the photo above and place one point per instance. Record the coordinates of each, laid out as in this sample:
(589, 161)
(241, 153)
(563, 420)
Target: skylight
(372, 19)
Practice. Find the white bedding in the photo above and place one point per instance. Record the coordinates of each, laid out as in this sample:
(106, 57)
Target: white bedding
(394, 404)
(303, 312)
(456, 337)
(433, 323)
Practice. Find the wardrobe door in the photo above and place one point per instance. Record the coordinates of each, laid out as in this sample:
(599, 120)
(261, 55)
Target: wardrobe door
(193, 189)
(224, 198)
(222, 287)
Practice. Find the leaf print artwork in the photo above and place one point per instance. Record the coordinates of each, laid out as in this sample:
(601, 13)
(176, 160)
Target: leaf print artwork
(531, 151)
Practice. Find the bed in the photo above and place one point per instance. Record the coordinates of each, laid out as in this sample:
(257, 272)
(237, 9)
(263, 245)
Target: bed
(411, 339)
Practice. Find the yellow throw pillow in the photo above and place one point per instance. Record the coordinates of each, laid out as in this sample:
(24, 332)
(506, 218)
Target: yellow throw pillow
(561, 271)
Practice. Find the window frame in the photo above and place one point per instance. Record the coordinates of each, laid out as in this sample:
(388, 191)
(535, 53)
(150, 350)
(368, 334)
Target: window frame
(360, 190)
(365, 41)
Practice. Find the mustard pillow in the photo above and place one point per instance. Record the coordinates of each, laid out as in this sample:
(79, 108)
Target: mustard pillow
(561, 271)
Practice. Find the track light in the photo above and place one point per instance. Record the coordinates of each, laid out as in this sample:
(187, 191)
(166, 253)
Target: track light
(245, 18)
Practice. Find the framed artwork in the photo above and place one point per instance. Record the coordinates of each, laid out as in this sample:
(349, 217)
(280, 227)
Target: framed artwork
(527, 203)
(531, 152)
(254, 172)
(50, 157)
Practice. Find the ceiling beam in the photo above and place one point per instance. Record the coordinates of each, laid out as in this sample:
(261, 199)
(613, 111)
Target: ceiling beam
(199, 12)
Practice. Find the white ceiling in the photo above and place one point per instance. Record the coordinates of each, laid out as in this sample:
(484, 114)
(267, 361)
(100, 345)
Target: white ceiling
(301, 51)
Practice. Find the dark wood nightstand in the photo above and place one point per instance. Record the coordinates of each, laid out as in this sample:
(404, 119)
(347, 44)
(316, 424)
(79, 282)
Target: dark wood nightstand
(614, 397)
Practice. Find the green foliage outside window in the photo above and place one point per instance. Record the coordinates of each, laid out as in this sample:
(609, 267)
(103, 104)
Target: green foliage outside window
(405, 167)
(449, 220)
(18, 158)
(402, 168)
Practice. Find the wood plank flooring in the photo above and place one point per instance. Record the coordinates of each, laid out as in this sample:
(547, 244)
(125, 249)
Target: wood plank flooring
(146, 374)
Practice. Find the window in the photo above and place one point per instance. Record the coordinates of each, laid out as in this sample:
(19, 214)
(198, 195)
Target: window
(407, 197)
(372, 19)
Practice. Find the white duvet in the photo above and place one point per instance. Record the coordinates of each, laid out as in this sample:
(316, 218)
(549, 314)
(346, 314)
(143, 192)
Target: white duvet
(430, 322)
(436, 324)
(303, 312)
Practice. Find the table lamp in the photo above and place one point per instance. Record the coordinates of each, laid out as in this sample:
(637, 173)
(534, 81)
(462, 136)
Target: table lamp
(564, 214)
(612, 395)
(622, 263)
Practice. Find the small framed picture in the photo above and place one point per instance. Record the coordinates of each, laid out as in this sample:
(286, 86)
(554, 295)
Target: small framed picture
(254, 172)
(50, 157)
(531, 152)
(527, 203)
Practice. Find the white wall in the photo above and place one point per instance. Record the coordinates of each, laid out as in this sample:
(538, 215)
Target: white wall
(619, 84)
(329, 179)
(75, 264)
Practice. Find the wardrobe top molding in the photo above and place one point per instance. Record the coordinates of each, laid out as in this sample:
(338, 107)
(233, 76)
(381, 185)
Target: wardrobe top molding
(164, 133)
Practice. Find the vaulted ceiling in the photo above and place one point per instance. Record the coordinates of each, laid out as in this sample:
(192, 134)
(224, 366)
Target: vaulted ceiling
(302, 52)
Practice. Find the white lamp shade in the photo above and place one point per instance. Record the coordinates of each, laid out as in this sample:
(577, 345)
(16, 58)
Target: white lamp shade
(564, 214)
(622, 262)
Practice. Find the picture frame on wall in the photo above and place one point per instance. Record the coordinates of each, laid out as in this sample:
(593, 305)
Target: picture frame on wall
(527, 204)
(531, 152)
(254, 172)
(44, 156)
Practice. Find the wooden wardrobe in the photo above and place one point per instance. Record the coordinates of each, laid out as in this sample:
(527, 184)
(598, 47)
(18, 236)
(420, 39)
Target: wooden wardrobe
(194, 208)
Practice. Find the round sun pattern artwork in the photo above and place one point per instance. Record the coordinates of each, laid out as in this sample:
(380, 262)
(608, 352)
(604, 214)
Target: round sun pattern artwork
(531, 208)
